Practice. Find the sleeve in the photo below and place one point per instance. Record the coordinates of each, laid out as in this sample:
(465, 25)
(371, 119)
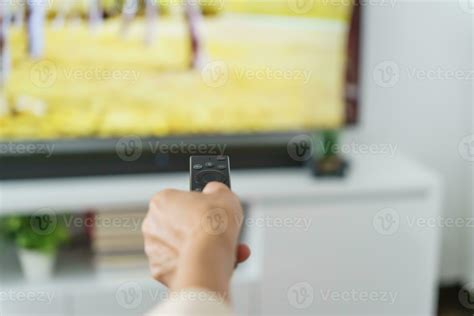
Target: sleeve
(195, 302)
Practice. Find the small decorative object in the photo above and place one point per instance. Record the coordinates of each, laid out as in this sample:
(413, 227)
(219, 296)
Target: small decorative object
(327, 160)
(37, 238)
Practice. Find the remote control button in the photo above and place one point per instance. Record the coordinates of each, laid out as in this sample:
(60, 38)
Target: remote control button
(221, 167)
(198, 190)
(221, 158)
(209, 164)
(204, 177)
(197, 166)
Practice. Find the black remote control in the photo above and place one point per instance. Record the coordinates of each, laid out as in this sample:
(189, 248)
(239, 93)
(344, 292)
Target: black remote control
(205, 169)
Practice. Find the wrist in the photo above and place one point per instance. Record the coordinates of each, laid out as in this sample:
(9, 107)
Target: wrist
(207, 262)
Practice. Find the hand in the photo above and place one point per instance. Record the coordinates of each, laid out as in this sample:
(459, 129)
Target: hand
(191, 238)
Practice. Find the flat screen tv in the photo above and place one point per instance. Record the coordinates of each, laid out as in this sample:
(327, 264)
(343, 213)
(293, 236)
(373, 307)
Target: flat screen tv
(127, 86)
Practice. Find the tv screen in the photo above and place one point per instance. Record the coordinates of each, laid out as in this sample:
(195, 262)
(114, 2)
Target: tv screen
(75, 70)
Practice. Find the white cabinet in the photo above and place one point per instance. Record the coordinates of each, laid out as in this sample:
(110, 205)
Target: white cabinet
(368, 247)
(346, 263)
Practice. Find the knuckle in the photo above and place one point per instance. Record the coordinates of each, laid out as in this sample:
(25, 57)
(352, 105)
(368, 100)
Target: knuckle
(167, 192)
(156, 271)
(149, 249)
(144, 227)
(153, 203)
(161, 197)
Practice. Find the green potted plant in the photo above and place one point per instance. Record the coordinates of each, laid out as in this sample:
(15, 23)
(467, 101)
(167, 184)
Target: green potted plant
(37, 239)
(328, 162)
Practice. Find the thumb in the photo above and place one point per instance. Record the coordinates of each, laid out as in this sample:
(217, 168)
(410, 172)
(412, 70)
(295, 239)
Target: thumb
(215, 187)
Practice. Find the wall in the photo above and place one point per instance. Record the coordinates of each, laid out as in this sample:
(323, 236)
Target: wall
(470, 270)
(427, 117)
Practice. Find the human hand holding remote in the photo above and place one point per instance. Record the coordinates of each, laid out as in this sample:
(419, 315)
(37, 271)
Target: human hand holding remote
(191, 239)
